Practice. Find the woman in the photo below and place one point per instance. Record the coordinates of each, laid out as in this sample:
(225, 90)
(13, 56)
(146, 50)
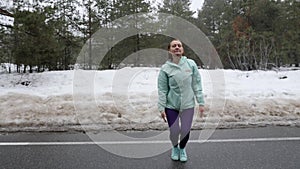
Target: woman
(179, 83)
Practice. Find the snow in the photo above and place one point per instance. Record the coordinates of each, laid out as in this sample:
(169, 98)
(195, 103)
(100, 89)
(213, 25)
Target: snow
(6, 20)
(126, 99)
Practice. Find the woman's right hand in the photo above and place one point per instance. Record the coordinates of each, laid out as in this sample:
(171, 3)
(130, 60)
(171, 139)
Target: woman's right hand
(201, 111)
(163, 116)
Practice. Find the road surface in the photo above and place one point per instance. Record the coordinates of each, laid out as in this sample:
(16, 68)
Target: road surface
(259, 148)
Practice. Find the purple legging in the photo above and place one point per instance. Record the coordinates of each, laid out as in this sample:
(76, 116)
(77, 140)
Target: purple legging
(186, 118)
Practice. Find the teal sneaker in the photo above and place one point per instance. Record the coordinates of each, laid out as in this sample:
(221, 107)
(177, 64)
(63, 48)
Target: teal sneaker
(175, 153)
(183, 155)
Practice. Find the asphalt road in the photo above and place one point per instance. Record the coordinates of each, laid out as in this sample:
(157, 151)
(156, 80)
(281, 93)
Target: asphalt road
(252, 148)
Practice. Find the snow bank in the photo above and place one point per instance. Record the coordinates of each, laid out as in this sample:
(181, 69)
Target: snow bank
(126, 99)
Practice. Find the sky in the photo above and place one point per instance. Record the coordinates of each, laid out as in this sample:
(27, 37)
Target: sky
(127, 99)
(196, 4)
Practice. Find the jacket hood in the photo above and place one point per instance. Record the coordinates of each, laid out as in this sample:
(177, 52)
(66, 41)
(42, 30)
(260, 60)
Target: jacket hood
(181, 61)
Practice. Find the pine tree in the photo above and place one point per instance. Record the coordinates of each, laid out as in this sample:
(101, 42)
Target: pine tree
(174, 9)
(131, 9)
(180, 8)
(288, 33)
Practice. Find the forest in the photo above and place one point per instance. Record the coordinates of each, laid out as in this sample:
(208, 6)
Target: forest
(48, 35)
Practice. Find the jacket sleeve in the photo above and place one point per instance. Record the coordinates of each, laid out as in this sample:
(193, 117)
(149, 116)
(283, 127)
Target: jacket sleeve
(197, 84)
(163, 89)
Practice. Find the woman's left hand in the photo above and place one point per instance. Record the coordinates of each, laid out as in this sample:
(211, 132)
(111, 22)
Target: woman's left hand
(163, 116)
(201, 111)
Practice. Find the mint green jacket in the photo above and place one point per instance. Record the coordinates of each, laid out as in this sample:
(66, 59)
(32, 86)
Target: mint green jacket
(179, 85)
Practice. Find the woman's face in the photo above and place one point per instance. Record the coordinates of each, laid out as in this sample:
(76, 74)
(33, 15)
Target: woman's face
(176, 48)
